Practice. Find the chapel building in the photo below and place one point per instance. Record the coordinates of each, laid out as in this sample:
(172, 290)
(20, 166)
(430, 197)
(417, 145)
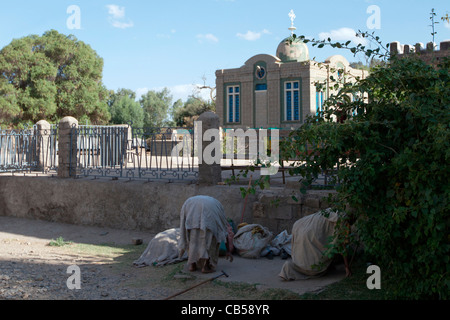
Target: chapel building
(278, 91)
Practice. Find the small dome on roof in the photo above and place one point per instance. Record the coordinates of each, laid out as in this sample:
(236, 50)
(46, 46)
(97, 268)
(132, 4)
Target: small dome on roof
(297, 51)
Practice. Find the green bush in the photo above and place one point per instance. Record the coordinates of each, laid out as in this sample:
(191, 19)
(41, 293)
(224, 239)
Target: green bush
(393, 155)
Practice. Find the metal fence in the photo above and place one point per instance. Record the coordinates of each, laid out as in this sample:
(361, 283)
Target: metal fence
(134, 153)
(17, 150)
(124, 152)
(28, 150)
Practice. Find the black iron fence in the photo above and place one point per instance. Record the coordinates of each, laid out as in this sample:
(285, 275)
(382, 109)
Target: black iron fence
(28, 150)
(134, 153)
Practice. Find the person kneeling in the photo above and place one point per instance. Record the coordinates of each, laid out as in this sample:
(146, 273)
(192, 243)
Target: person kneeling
(203, 228)
(310, 235)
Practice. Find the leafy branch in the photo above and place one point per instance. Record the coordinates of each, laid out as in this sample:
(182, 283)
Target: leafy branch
(382, 51)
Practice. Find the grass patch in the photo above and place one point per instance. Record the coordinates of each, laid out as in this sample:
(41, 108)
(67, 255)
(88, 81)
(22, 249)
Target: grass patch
(238, 290)
(279, 294)
(59, 242)
(174, 270)
(103, 250)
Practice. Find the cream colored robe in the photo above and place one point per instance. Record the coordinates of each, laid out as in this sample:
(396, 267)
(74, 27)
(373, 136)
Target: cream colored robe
(162, 250)
(203, 226)
(310, 235)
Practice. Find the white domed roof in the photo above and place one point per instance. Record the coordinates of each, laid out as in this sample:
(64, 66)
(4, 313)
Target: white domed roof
(297, 51)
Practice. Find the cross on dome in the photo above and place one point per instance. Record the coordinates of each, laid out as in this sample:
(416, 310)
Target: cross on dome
(292, 16)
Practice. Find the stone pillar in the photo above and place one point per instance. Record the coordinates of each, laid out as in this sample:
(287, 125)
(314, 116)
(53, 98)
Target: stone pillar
(408, 49)
(419, 47)
(67, 147)
(396, 48)
(43, 130)
(209, 173)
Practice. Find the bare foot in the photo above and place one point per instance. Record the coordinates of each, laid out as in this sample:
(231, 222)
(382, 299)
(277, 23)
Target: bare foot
(208, 268)
(193, 267)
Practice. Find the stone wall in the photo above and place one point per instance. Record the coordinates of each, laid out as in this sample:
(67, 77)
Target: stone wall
(427, 53)
(136, 205)
(278, 211)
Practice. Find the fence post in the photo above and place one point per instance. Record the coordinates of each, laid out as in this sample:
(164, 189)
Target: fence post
(67, 147)
(43, 130)
(209, 174)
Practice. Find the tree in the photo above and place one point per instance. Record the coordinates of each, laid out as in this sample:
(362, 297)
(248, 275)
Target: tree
(119, 94)
(156, 106)
(192, 108)
(125, 109)
(373, 63)
(50, 77)
(173, 112)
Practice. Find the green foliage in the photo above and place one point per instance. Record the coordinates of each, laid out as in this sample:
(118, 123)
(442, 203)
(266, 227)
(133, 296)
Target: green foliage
(113, 96)
(156, 105)
(154, 109)
(50, 77)
(173, 113)
(393, 158)
(192, 107)
(373, 63)
(59, 242)
(125, 109)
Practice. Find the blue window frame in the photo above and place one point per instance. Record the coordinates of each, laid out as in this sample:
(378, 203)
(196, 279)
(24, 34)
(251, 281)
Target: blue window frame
(292, 101)
(233, 104)
(319, 101)
(261, 87)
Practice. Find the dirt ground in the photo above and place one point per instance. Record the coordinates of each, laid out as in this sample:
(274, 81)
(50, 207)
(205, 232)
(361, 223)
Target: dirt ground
(31, 269)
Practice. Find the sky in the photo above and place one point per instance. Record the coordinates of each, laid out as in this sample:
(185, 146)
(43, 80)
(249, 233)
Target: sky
(149, 45)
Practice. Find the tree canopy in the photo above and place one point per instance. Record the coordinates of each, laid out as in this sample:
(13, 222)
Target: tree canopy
(193, 107)
(50, 77)
(125, 109)
(156, 106)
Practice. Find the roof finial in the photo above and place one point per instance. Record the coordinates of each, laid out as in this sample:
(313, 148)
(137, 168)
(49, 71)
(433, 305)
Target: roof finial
(292, 16)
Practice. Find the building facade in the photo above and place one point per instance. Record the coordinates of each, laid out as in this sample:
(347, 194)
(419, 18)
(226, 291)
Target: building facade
(278, 91)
